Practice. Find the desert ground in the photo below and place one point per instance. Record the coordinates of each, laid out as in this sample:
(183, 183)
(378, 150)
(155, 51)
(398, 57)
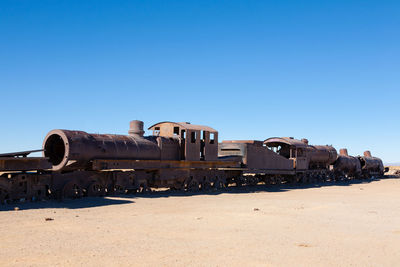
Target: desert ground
(342, 224)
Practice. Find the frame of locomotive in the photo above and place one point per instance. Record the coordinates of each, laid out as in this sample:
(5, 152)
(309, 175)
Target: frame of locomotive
(179, 156)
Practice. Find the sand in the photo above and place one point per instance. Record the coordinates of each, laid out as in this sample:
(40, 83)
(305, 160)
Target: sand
(335, 224)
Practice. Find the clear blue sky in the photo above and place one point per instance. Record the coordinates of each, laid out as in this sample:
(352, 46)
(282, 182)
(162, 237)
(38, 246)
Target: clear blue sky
(325, 70)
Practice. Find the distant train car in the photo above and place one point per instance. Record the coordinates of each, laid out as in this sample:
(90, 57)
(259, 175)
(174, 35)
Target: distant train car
(371, 166)
(282, 159)
(346, 166)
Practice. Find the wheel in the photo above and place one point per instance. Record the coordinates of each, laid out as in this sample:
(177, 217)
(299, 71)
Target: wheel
(253, 180)
(205, 185)
(95, 189)
(72, 190)
(219, 183)
(268, 180)
(239, 181)
(119, 189)
(177, 186)
(193, 185)
(4, 195)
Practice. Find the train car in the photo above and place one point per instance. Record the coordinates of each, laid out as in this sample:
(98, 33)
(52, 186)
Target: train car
(311, 163)
(371, 166)
(258, 161)
(279, 159)
(346, 167)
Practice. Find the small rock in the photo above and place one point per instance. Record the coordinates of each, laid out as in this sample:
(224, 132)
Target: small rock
(256, 209)
(49, 219)
(199, 218)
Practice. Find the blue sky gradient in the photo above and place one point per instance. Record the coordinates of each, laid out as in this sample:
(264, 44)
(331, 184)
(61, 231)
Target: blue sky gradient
(325, 70)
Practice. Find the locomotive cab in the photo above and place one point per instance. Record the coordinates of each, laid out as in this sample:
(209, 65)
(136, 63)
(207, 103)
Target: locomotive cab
(290, 148)
(197, 142)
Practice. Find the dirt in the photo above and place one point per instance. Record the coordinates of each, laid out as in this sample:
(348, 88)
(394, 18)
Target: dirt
(335, 224)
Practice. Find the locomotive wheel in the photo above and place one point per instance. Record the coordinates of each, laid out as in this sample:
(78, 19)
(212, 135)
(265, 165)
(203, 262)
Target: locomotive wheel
(193, 185)
(253, 180)
(72, 190)
(119, 190)
(268, 180)
(95, 189)
(145, 189)
(177, 186)
(205, 185)
(219, 183)
(4, 192)
(4, 196)
(239, 181)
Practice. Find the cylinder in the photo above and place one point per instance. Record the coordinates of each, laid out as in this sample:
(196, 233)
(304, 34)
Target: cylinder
(322, 154)
(75, 149)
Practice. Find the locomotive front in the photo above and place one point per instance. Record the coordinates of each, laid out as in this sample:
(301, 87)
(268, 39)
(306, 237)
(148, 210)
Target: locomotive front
(71, 150)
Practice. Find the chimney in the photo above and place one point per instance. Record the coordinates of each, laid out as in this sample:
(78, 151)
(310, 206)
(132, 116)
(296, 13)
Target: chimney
(136, 128)
(367, 153)
(343, 152)
(305, 141)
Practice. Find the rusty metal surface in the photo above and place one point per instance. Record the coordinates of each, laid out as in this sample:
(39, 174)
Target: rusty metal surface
(343, 152)
(323, 154)
(305, 155)
(24, 164)
(74, 149)
(184, 125)
(285, 140)
(104, 164)
(197, 142)
(255, 155)
(371, 164)
(347, 165)
(367, 153)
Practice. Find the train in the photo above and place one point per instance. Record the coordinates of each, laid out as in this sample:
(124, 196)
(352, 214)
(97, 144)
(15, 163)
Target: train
(178, 156)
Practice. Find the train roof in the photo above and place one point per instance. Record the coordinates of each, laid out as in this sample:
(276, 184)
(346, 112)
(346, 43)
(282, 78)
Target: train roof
(184, 125)
(285, 140)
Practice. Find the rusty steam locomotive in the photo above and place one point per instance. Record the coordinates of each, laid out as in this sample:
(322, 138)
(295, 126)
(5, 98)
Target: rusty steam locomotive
(180, 156)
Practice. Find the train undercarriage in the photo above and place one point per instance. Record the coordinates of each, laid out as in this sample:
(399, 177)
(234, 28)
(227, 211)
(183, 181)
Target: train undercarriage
(38, 185)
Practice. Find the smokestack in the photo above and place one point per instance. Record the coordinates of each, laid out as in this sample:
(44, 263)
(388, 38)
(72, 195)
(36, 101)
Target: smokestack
(136, 128)
(367, 153)
(305, 141)
(343, 152)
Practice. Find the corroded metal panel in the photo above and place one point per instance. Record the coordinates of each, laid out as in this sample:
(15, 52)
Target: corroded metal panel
(104, 164)
(255, 155)
(24, 164)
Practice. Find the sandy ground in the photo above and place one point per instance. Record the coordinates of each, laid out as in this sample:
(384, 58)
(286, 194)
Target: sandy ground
(335, 224)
